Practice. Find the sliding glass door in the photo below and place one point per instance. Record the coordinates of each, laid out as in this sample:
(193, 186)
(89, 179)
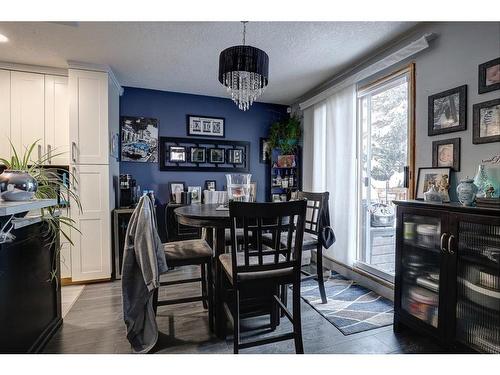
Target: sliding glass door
(385, 154)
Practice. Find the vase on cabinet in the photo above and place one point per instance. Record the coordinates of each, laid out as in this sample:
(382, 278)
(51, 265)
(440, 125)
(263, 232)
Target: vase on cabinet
(17, 185)
(466, 191)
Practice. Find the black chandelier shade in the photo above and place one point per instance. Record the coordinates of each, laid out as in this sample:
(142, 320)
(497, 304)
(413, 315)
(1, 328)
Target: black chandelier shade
(244, 58)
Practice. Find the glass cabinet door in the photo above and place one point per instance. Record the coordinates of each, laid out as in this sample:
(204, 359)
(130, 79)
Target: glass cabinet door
(421, 267)
(477, 248)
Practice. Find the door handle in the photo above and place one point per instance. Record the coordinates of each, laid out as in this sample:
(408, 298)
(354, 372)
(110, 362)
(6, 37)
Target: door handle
(443, 239)
(450, 249)
(73, 152)
(49, 154)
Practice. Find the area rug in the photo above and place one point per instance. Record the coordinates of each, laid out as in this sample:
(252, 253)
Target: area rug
(350, 307)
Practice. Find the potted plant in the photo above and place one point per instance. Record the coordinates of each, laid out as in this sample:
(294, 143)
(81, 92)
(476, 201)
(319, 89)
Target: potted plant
(44, 184)
(285, 135)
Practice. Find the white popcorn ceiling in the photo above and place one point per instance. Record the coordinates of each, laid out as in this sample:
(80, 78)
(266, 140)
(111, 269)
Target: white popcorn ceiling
(183, 56)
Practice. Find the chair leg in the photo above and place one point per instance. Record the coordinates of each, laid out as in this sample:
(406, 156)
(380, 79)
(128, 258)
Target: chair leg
(155, 300)
(204, 286)
(236, 320)
(210, 296)
(297, 323)
(284, 298)
(274, 309)
(319, 266)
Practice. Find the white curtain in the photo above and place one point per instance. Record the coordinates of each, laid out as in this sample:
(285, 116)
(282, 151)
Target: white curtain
(329, 153)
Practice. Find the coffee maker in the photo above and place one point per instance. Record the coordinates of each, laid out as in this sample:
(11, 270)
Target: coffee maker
(128, 191)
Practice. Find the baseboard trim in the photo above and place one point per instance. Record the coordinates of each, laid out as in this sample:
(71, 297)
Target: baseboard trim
(68, 281)
(378, 285)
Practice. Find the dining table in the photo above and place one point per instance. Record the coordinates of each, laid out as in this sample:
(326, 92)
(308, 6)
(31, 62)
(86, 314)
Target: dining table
(215, 221)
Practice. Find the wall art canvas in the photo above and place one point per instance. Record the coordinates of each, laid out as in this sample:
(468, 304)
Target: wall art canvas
(446, 153)
(486, 122)
(205, 126)
(489, 76)
(447, 111)
(265, 151)
(139, 138)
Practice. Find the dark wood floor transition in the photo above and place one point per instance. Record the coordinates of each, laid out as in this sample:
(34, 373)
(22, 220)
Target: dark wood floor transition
(95, 325)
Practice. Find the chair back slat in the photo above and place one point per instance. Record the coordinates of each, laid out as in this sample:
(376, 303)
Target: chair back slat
(316, 204)
(258, 218)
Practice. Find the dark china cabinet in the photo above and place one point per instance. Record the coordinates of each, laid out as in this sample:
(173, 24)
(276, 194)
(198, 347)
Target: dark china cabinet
(447, 282)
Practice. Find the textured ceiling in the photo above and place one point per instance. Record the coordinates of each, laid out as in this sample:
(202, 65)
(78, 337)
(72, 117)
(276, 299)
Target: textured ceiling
(183, 56)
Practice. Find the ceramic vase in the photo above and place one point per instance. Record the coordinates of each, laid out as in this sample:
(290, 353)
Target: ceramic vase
(466, 191)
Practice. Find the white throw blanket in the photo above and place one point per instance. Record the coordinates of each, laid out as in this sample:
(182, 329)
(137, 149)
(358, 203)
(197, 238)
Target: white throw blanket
(143, 263)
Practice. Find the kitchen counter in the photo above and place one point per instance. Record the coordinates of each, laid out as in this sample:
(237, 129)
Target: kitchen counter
(12, 208)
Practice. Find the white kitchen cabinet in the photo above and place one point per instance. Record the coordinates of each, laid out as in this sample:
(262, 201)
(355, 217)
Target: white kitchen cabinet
(4, 113)
(88, 96)
(27, 109)
(57, 119)
(91, 253)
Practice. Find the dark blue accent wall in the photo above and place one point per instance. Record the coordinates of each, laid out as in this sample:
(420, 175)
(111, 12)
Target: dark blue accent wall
(171, 108)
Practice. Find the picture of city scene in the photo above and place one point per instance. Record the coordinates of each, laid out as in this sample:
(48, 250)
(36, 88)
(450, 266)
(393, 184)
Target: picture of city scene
(139, 139)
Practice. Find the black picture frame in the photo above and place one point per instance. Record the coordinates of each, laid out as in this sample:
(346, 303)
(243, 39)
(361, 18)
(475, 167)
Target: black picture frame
(476, 122)
(208, 143)
(203, 131)
(482, 87)
(264, 156)
(455, 142)
(461, 111)
(212, 159)
(171, 190)
(180, 149)
(420, 188)
(233, 158)
(208, 182)
(192, 150)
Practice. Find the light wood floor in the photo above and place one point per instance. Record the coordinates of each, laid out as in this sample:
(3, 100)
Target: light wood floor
(95, 325)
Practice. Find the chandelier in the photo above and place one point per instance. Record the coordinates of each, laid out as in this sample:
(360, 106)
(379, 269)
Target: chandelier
(244, 71)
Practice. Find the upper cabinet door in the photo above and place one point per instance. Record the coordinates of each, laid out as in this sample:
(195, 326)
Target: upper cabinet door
(4, 113)
(57, 119)
(27, 111)
(88, 115)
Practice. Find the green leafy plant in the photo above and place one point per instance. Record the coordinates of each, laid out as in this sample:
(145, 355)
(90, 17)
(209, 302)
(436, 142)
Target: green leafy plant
(50, 186)
(285, 135)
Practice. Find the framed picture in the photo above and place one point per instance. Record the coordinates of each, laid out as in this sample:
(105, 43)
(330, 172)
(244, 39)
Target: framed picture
(195, 193)
(486, 122)
(447, 111)
(139, 139)
(217, 155)
(175, 186)
(265, 151)
(438, 177)
(177, 154)
(205, 126)
(235, 156)
(198, 155)
(489, 76)
(446, 153)
(211, 185)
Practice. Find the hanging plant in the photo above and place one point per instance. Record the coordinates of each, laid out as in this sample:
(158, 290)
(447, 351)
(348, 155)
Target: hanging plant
(285, 135)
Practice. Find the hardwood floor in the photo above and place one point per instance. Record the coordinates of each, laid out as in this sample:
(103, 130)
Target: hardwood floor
(95, 325)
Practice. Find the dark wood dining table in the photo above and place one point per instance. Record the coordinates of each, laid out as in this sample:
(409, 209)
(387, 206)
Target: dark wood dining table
(216, 222)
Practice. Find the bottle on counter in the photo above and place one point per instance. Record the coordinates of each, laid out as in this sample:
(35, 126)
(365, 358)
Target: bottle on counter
(284, 181)
(291, 180)
(278, 179)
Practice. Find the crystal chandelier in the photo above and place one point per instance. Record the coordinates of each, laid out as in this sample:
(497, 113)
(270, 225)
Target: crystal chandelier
(244, 71)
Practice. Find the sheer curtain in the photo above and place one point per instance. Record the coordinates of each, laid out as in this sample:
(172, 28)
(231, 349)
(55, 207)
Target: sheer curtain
(329, 153)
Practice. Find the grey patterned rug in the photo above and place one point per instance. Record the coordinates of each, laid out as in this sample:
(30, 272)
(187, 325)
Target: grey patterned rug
(350, 307)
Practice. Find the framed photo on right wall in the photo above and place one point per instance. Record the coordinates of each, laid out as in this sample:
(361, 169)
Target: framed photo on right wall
(489, 76)
(486, 122)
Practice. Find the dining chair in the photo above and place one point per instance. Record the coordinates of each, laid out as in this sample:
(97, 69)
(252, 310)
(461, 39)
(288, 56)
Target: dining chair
(195, 252)
(316, 204)
(263, 268)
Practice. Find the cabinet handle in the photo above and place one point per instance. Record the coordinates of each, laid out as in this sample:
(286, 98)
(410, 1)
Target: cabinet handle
(73, 177)
(49, 154)
(73, 152)
(443, 238)
(450, 249)
(39, 152)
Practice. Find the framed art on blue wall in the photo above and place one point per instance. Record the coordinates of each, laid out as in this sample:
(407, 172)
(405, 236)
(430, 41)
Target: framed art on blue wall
(205, 126)
(139, 139)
